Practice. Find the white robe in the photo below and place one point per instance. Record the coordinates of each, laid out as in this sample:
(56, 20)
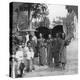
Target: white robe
(29, 53)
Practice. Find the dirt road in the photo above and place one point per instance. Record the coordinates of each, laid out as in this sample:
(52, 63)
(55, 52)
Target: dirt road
(71, 66)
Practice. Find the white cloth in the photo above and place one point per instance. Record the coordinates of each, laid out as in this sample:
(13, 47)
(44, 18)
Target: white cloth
(29, 53)
(19, 55)
(25, 50)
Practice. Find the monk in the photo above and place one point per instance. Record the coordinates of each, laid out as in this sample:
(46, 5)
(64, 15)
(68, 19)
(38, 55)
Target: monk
(42, 53)
(49, 50)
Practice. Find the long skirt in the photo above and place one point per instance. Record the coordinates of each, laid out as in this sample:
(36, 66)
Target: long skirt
(49, 56)
(42, 56)
(63, 56)
(56, 58)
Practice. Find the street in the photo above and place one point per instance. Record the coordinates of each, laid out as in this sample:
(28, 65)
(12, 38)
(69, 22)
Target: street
(71, 66)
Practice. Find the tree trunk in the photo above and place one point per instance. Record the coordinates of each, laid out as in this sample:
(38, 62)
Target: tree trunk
(29, 19)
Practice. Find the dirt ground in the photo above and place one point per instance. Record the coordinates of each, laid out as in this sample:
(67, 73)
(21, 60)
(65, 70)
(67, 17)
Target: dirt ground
(71, 66)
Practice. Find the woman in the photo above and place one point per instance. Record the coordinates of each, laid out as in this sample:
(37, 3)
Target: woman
(42, 53)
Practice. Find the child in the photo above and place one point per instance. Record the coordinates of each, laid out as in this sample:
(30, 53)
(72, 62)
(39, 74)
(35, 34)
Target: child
(20, 63)
(29, 56)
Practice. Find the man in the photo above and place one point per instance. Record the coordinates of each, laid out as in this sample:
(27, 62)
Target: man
(34, 38)
(25, 56)
(42, 52)
(49, 51)
(33, 41)
(57, 49)
(63, 52)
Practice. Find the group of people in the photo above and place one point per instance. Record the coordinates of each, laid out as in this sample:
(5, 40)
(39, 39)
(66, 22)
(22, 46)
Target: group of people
(50, 52)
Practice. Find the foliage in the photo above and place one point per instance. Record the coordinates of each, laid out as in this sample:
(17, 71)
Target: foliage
(58, 22)
(23, 13)
(68, 24)
(45, 22)
(72, 8)
(33, 10)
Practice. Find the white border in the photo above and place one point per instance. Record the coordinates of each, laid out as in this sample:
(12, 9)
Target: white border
(4, 38)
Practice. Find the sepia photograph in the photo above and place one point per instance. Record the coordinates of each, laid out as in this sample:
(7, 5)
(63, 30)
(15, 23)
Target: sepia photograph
(43, 39)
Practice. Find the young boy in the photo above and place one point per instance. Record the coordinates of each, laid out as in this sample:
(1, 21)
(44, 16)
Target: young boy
(29, 55)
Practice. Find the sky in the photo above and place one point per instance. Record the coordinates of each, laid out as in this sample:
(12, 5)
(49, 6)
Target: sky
(56, 11)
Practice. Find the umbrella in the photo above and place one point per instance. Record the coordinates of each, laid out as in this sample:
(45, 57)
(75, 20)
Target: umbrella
(57, 29)
(45, 31)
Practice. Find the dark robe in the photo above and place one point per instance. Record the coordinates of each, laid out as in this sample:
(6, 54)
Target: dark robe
(42, 52)
(49, 52)
(57, 47)
(21, 68)
(54, 47)
(63, 52)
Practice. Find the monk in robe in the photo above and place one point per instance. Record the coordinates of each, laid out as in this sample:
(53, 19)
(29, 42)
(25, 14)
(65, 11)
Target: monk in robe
(49, 51)
(63, 51)
(57, 50)
(41, 50)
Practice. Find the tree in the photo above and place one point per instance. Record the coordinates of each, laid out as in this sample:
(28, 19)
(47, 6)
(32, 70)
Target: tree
(58, 22)
(34, 10)
(45, 22)
(72, 8)
(68, 24)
